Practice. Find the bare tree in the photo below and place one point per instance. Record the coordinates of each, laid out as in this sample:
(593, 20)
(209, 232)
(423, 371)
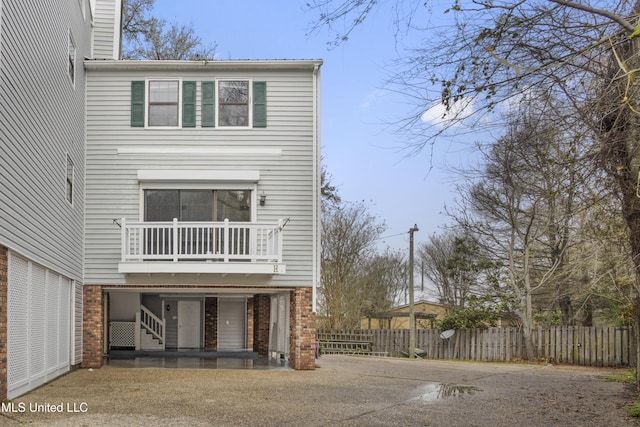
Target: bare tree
(349, 233)
(453, 263)
(523, 206)
(328, 191)
(147, 37)
(382, 282)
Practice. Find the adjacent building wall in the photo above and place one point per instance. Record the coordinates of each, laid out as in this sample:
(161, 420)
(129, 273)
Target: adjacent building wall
(42, 125)
(42, 122)
(106, 29)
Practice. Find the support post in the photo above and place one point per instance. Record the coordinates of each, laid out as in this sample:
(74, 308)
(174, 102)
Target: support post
(412, 314)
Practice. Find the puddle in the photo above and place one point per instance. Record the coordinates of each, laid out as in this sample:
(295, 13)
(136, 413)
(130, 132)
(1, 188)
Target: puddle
(436, 391)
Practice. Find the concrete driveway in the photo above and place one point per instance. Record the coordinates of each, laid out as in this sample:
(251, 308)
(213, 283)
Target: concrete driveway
(343, 391)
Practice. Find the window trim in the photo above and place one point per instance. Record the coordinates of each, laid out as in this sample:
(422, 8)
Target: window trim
(71, 57)
(253, 188)
(83, 9)
(69, 180)
(147, 97)
(249, 102)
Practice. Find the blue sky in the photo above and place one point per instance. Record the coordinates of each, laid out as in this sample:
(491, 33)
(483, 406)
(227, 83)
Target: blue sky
(362, 156)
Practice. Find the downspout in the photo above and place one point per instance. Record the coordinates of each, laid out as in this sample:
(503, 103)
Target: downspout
(316, 185)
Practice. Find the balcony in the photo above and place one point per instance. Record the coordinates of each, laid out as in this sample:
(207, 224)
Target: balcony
(202, 247)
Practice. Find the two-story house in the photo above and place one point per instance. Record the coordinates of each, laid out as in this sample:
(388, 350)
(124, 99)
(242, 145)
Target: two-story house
(202, 183)
(176, 202)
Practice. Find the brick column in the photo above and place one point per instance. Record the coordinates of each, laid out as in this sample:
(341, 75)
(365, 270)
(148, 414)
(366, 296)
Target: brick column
(211, 323)
(250, 323)
(261, 320)
(4, 283)
(302, 340)
(93, 328)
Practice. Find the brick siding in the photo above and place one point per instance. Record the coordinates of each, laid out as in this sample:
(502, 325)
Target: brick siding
(250, 323)
(302, 342)
(211, 323)
(262, 318)
(93, 327)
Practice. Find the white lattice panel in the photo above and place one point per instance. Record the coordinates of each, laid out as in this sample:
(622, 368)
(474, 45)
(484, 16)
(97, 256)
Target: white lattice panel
(122, 334)
(64, 324)
(77, 324)
(18, 322)
(39, 322)
(53, 288)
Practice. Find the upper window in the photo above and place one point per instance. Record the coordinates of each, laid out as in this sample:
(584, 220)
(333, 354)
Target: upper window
(172, 103)
(164, 101)
(197, 205)
(69, 180)
(233, 103)
(71, 63)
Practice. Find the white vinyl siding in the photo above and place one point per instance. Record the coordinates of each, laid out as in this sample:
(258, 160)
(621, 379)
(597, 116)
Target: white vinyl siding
(283, 154)
(106, 30)
(41, 121)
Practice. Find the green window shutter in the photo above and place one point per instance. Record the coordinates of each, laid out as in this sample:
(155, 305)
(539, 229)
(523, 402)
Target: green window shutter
(208, 104)
(259, 104)
(188, 104)
(137, 103)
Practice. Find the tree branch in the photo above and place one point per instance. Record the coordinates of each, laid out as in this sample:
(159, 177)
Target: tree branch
(612, 16)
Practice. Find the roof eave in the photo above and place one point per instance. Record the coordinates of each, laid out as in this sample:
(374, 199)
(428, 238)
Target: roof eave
(227, 65)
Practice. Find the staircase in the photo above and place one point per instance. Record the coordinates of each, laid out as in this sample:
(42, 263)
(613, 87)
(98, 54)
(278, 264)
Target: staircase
(152, 330)
(149, 342)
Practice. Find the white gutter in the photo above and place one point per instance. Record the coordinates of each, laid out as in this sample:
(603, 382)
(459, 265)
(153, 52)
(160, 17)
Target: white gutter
(137, 65)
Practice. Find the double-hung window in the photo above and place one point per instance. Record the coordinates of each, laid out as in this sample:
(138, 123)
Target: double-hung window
(233, 103)
(164, 103)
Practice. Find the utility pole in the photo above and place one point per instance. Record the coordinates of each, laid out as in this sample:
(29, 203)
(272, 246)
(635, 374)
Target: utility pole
(412, 313)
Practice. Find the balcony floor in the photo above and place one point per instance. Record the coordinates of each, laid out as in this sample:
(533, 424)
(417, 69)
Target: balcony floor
(163, 267)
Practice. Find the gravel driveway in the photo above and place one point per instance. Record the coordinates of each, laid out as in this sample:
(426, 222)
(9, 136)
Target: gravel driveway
(343, 391)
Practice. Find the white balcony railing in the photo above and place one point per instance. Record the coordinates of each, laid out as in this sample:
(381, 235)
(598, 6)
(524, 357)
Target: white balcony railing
(220, 242)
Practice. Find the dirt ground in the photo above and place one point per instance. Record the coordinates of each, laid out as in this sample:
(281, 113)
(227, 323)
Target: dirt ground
(343, 391)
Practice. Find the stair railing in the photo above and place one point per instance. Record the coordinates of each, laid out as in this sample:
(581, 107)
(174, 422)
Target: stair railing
(152, 323)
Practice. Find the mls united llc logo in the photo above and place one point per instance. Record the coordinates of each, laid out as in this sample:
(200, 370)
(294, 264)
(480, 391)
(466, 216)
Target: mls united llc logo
(20, 407)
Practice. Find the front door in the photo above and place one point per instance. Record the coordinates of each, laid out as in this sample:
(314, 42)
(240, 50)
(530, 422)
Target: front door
(189, 320)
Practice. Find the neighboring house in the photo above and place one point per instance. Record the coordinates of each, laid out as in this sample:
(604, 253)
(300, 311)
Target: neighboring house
(42, 200)
(178, 197)
(426, 314)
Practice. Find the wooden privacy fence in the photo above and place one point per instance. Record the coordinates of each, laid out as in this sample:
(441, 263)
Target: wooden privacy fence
(587, 346)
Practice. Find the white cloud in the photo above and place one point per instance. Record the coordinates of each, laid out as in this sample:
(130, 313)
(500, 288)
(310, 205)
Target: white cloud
(438, 115)
(372, 97)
